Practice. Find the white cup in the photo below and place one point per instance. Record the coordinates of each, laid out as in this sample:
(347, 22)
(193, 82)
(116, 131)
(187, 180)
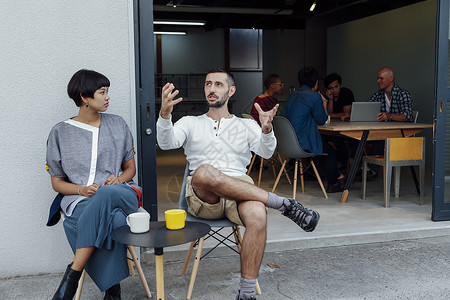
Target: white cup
(328, 120)
(139, 222)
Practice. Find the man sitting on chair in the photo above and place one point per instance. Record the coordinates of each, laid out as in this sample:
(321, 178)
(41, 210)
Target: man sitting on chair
(218, 148)
(305, 109)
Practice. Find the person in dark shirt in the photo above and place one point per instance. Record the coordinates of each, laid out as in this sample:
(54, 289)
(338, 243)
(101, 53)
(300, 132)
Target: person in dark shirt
(340, 98)
(339, 106)
(267, 101)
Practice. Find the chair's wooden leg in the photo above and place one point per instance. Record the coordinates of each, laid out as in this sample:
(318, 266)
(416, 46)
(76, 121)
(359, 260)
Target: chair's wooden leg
(302, 181)
(284, 169)
(294, 189)
(159, 266)
(258, 288)
(80, 285)
(130, 265)
(261, 165)
(137, 264)
(251, 164)
(198, 255)
(188, 257)
(273, 167)
(319, 179)
(279, 175)
(237, 237)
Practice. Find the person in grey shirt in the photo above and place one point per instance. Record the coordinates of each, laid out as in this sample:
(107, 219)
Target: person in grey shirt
(90, 158)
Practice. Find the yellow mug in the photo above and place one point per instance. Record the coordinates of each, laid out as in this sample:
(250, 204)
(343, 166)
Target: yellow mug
(175, 218)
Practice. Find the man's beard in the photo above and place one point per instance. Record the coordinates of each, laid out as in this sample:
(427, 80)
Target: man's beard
(217, 103)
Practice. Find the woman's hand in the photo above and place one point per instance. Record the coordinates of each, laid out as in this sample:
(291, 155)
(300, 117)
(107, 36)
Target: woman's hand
(111, 180)
(89, 190)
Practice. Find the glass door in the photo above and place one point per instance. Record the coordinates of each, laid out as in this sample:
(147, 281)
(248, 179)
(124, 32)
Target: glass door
(441, 132)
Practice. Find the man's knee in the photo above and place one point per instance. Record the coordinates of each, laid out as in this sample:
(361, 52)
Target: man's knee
(254, 215)
(206, 175)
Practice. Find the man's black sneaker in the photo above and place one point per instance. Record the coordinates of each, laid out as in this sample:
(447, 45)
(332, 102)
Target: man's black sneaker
(304, 217)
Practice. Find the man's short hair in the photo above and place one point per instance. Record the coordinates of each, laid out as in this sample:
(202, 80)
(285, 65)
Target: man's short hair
(308, 75)
(85, 83)
(332, 77)
(270, 79)
(230, 77)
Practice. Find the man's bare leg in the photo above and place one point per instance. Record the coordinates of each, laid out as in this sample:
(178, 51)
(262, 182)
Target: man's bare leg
(210, 185)
(254, 217)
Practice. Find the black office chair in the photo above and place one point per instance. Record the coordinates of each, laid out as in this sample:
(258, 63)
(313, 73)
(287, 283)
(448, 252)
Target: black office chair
(289, 148)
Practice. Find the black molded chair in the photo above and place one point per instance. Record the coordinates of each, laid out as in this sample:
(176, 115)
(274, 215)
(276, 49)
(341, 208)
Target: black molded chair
(289, 148)
(216, 233)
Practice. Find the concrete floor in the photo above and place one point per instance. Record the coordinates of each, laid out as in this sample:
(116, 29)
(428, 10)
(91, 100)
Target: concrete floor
(360, 250)
(355, 222)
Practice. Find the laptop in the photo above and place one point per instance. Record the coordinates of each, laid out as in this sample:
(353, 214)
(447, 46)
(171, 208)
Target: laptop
(365, 111)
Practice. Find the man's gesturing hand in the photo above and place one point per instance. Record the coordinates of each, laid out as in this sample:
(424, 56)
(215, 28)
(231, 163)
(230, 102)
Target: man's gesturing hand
(266, 117)
(167, 100)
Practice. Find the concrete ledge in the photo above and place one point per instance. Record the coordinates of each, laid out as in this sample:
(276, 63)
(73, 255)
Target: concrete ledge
(179, 253)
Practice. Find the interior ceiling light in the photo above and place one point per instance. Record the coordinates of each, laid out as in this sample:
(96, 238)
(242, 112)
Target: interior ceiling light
(170, 32)
(313, 6)
(187, 23)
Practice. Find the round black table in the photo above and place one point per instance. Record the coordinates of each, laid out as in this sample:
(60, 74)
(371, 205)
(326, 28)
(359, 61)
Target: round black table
(159, 237)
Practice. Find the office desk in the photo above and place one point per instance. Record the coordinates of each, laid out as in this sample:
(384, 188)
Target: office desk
(368, 131)
(159, 237)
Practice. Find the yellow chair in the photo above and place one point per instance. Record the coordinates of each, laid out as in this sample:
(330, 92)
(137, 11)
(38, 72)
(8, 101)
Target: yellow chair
(137, 264)
(398, 152)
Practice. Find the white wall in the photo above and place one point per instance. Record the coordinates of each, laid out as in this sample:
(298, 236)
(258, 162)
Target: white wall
(42, 43)
(403, 39)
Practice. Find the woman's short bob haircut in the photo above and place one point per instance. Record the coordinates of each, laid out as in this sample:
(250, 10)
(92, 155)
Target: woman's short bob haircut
(84, 83)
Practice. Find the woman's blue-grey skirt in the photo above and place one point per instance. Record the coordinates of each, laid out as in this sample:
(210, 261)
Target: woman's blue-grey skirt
(91, 224)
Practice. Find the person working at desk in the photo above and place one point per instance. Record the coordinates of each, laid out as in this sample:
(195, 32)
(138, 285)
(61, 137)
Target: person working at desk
(267, 101)
(396, 105)
(218, 148)
(305, 108)
(339, 106)
(340, 98)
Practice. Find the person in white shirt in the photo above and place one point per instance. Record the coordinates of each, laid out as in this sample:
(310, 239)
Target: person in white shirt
(218, 148)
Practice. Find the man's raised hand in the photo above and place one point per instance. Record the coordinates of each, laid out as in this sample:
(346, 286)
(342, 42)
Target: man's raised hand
(266, 117)
(168, 101)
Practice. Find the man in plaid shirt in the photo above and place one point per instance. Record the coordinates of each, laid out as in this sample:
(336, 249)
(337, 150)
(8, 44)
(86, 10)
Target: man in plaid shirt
(396, 103)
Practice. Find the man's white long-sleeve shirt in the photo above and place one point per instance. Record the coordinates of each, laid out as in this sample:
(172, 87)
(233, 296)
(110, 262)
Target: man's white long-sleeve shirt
(226, 145)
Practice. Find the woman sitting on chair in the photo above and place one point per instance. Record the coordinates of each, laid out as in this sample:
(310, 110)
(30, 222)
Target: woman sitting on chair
(90, 158)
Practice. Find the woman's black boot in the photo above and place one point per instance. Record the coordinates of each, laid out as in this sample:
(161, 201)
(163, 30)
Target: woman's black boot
(113, 293)
(68, 286)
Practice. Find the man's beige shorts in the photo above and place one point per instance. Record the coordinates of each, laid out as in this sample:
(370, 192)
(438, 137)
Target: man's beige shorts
(225, 208)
